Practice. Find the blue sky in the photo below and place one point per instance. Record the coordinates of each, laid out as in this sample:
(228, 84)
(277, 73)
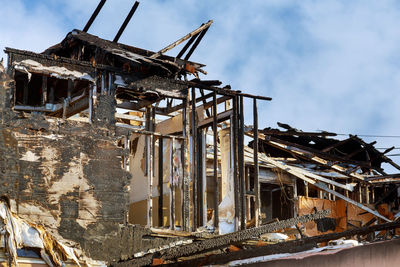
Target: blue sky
(329, 65)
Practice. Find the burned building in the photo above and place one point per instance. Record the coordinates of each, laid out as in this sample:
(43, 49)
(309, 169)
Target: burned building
(127, 156)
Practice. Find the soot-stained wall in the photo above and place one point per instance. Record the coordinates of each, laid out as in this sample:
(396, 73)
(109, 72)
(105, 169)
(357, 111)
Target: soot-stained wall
(68, 177)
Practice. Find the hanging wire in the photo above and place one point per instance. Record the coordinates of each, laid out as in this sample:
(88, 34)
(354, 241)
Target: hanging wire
(371, 135)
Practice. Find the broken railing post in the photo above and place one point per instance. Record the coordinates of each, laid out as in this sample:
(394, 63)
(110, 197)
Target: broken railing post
(256, 170)
(127, 19)
(94, 15)
(215, 163)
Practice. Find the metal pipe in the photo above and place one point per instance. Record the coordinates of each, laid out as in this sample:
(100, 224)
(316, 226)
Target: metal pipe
(94, 15)
(128, 18)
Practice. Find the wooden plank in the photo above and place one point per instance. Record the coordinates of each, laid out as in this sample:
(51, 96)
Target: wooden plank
(234, 128)
(171, 186)
(347, 187)
(316, 159)
(223, 116)
(186, 167)
(194, 160)
(241, 164)
(169, 47)
(160, 181)
(215, 160)
(256, 168)
(293, 171)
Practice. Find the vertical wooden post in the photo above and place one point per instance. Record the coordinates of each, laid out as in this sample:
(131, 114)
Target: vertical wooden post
(44, 90)
(306, 188)
(295, 198)
(372, 194)
(194, 161)
(248, 198)
(333, 196)
(204, 176)
(172, 187)
(241, 165)
(91, 104)
(256, 170)
(215, 162)
(103, 83)
(150, 181)
(186, 169)
(160, 181)
(235, 162)
(70, 88)
(199, 176)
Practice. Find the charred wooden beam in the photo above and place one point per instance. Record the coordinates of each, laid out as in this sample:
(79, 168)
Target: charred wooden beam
(292, 170)
(204, 102)
(180, 106)
(234, 123)
(199, 175)
(44, 90)
(329, 148)
(160, 181)
(298, 133)
(194, 160)
(215, 162)
(126, 21)
(227, 239)
(198, 40)
(185, 158)
(223, 116)
(352, 154)
(188, 44)
(241, 164)
(171, 186)
(169, 47)
(256, 168)
(293, 246)
(94, 15)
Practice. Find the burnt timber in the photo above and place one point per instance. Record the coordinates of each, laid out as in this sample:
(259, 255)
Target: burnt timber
(105, 144)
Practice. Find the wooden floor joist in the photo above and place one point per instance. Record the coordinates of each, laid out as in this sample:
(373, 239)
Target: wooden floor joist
(222, 241)
(283, 247)
(301, 175)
